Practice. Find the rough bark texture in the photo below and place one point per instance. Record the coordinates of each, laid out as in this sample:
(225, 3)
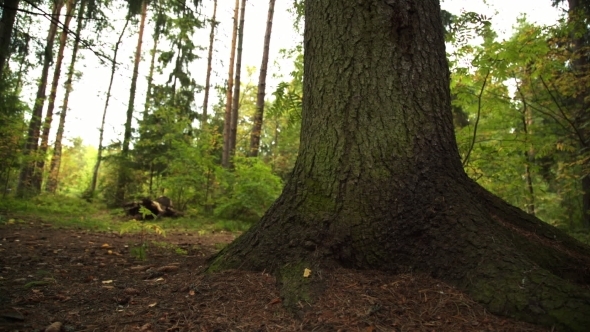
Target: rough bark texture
(52, 180)
(578, 15)
(209, 60)
(258, 117)
(25, 185)
(104, 113)
(378, 183)
(123, 178)
(235, 108)
(228, 94)
(63, 38)
(9, 11)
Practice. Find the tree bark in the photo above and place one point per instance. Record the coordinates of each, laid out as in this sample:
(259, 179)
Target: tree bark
(9, 11)
(577, 18)
(225, 155)
(104, 113)
(378, 182)
(63, 38)
(52, 180)
(150, 78)
(236, 94)
(258, 117)
(25, 185)
(209, 60)
(123, 176)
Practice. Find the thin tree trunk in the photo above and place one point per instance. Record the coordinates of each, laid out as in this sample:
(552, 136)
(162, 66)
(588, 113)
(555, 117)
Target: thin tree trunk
(236, 95)
(123, 176)
(258, 117)
(209, 60)
(104, 113)
(228, 94)
(25, 186)
(150, 78)
(530, 156)
(63, 38)
(379, 184)
(9, 11)
(527, 121)
(52, 180)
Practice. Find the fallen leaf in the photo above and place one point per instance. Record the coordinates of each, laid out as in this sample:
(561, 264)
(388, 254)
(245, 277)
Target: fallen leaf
(146, 327)
(306, 273)
(168, 268)
(131, 291)
(54, 327)
(275, 301)
(152, 304)
(140, 267)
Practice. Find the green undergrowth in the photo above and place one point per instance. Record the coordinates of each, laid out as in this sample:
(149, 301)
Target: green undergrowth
(71, 212)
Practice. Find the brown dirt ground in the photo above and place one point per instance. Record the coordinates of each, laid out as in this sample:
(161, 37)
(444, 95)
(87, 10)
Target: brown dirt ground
(90, 282)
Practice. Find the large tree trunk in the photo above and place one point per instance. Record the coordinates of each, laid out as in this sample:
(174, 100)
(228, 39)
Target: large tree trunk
(25, 185)
(52, 180)
(578, 15)
(9, 11)
(209, 60)
(104, 113)
(258, 117)
(225, 155)
(123, 167)
(378, 183)
(236, 94)
(63, 38)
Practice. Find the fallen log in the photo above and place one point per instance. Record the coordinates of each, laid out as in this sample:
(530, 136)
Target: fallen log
(159, 207)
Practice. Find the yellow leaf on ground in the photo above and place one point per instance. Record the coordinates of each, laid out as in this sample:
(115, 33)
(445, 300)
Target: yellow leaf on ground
(306, 273)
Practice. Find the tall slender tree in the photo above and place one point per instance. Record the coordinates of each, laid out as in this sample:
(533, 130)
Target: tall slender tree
(25, 184)
(9, 10)
(123, 177)
(63, 38)
(225, 156)
(258, 117)
(379, 184)
(94, 180)
(159, 22)
(236, 94)
(52, 180)
(209, 60)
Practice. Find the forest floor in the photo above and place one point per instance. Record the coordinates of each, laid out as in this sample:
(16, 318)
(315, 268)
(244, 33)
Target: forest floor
(55, 279)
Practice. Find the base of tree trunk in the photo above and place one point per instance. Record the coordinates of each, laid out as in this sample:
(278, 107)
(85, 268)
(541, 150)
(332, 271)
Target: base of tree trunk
(510, 261)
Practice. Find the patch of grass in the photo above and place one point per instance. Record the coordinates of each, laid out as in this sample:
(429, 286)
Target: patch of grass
(170, 246)
(220, 246)
(59, 210)
(36, 284)
(139, 252)
(72, 212)
(231, 226)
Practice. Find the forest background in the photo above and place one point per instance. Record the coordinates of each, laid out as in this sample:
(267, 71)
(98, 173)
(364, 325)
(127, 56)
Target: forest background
(110, 102)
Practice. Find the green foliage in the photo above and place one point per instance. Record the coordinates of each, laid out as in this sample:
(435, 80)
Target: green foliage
(12, 128)
(252, 188)
(522, 134)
